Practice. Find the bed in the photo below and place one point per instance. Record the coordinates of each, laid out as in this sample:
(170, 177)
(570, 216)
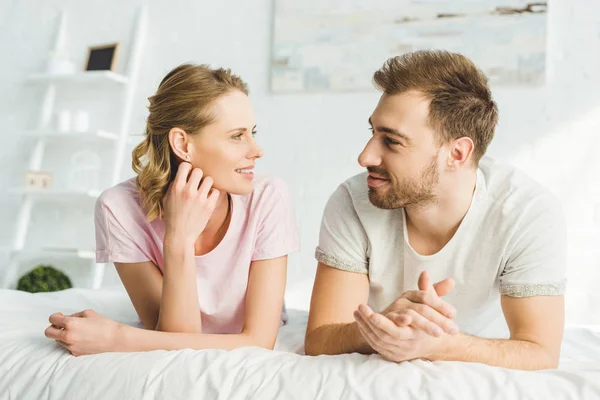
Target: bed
(34, 367)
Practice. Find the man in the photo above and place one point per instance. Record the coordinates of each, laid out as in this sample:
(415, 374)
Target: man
(431, 208)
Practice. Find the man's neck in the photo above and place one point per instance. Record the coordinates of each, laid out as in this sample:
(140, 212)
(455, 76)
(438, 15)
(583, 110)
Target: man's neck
(437, 222)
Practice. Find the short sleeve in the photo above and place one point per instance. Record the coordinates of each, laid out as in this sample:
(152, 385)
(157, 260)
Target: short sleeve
(342, 238)
(536, 265)
(114, 237)
(277, 233)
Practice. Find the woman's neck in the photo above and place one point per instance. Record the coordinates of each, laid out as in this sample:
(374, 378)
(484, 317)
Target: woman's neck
(216, 227)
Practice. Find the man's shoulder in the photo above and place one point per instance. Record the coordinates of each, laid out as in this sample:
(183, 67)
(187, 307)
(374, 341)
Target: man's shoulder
(353, 191)
(356, 185)
(505, 181)
(514, 192)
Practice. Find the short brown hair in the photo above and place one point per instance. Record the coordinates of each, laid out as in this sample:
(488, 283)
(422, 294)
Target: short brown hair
(184, 99)
(461, 101)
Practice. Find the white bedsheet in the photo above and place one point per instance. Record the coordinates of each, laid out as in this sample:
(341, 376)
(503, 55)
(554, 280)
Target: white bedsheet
(33, 367)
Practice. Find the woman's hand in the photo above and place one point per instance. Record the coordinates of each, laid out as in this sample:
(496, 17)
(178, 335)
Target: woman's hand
(85, 332)
(188, 205)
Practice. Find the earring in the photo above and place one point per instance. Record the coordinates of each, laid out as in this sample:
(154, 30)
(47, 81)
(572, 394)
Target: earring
(187, 157)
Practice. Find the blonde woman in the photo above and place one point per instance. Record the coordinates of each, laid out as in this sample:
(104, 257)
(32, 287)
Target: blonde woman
(199, 242)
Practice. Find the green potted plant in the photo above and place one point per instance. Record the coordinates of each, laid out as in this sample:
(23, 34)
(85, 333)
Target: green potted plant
(44, 278)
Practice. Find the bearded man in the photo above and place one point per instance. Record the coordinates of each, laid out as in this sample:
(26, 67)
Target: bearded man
(431, 208)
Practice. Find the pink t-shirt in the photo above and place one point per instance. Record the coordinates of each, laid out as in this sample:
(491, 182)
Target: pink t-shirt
(263, 226)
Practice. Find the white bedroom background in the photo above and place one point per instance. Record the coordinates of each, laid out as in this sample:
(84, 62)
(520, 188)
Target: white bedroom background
(310, 140)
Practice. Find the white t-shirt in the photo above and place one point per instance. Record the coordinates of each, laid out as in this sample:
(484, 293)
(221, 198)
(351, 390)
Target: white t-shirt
(512, 241)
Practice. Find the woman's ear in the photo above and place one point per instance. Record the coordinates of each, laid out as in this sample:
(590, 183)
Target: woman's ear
(179, 142)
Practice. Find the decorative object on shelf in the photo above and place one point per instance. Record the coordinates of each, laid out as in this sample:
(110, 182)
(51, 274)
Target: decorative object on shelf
(63, 121)
(84, 171)
(81, 121)
(38, 179)
(102, 57)
(44, 278)
(59, 63)
(83, 177)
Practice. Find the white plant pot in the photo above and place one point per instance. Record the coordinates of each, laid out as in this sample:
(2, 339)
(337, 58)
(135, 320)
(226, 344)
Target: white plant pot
(60, 66)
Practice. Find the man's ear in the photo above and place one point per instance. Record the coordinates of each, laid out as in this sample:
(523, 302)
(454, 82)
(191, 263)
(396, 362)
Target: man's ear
(460, 152)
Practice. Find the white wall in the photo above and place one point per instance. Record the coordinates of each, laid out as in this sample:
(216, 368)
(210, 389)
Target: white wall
(311, 140)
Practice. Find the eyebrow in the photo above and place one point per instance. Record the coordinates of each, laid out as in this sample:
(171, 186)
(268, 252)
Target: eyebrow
(390, 131)
(240, 129)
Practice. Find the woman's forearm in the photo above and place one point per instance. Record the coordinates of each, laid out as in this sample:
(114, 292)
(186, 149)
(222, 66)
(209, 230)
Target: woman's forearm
(179, 307)
(133, 339)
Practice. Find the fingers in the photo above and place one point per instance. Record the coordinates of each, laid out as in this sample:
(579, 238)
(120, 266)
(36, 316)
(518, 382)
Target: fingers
(419, 311)
(400, 318)
(58, 320)
(205, 187)
(432, 300)
(367, 332)
(387, 330)
(425, 282)
(193, 182)
(442, 288)
(213, 197)
(183, 171)
(52, 332)
(383, 328)
(83, 314)
(423, 324)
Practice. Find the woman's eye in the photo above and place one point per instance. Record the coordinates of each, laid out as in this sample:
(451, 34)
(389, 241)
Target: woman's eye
(237, 136)
(254, 133)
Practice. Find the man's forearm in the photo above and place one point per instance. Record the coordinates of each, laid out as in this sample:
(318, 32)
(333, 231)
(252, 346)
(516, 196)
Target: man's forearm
(179, 307)
(336, 339)
(506, 353)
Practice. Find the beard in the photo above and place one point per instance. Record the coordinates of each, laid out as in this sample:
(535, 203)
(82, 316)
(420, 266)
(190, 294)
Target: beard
(408, 192)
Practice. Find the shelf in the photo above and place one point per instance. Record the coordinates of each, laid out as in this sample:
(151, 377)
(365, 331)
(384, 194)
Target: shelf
(90, 135)
(55, 194)
(56, 252)
(80, 77)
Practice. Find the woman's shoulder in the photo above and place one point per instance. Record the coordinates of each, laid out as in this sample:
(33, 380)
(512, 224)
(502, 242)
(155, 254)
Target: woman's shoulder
(268, 189)
(122, 195)
(264, 182)
(270, 186)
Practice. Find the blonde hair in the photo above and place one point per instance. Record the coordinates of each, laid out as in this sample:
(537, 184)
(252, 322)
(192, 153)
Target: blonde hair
(184, 99)
(461, 101)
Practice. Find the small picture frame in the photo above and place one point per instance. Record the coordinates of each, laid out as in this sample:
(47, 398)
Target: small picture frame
(38, 179)
(102, 58)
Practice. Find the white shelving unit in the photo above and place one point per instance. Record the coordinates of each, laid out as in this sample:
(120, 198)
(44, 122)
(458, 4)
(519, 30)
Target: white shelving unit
(97, 135)
(80, 77)
(55, 194)
(126, 84)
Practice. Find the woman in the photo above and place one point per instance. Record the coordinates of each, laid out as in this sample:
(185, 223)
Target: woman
(199, 243)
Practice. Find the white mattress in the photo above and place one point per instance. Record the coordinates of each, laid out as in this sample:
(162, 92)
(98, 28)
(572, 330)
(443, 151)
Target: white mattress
(34, 367)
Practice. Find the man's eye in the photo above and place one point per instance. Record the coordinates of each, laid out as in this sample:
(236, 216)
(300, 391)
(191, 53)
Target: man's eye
(389, 141)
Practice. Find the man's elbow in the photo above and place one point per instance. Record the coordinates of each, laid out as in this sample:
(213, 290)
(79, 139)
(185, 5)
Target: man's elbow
(547, 358)
(551, 360)
(311, 345)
